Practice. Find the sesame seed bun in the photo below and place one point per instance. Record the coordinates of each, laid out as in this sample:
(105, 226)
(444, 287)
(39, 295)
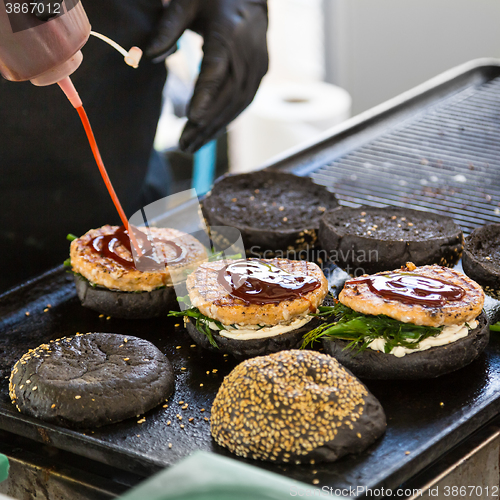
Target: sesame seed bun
(295, 407)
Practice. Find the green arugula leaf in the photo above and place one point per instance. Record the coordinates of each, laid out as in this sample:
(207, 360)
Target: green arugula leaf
(495, 327)
(362, 329)
(202, 321)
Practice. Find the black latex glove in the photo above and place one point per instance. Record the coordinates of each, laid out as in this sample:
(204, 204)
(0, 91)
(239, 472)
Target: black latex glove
(235, 59)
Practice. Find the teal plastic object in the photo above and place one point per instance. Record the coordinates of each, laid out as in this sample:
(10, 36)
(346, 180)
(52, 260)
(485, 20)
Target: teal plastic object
(206, 476)
(204, 168)
(4, 467)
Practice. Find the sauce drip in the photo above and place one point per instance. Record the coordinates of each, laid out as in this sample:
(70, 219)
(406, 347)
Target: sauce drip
(412, 288)
(107, 245)
(257, 282)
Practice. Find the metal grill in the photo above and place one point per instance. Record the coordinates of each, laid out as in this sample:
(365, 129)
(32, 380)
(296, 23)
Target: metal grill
(445, 160)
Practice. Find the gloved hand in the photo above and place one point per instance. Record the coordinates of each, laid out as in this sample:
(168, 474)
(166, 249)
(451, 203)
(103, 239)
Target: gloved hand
(235, 59)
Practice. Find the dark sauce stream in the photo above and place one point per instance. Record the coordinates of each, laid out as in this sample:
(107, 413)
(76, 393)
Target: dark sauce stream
(411, 288)
(257, 282)
(106, 246)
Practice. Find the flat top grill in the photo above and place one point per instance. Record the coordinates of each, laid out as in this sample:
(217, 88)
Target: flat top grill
(434, 149)
(445, 159)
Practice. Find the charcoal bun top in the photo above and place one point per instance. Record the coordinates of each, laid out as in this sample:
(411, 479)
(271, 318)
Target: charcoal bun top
(371, 240)
(295, 406)
(91, 380)
(481, 259)
(272, 210)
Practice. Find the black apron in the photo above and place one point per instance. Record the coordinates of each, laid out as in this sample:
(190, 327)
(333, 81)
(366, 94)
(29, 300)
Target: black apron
(49, 183)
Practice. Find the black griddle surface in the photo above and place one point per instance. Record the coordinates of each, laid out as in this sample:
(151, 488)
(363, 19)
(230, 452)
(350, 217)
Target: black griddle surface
(424, 418)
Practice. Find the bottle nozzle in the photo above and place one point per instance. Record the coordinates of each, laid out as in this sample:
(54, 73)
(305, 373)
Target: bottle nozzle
(69, 89)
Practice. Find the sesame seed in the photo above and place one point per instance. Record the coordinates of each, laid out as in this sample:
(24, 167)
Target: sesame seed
(315, 481)
(27, 313)
(285, 219)
(201, 385)
(35, 388)
(108, 317)
(203, 409)
(101, 315)
(182, 426)
(125, 340)
(126, 359)
(53, 406)
(192, 345)
(178, 347)
(142, 420)
(407, 452)
(78, 397)
(170, 445)
(191, 419)
(181, 402)
(177, 325)
(183, 368)
(185, 407)
(46, 310)
(169, 422)
(165, 406)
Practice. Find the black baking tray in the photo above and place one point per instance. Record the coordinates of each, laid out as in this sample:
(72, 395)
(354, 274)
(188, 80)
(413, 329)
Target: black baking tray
(425, 419)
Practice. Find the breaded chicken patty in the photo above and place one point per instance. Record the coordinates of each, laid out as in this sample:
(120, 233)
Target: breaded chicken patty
(107, 272)
(358, 296)
(214, 300)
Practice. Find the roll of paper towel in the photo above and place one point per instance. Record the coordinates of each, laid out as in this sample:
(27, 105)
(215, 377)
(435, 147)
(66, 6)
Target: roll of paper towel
(283, 116)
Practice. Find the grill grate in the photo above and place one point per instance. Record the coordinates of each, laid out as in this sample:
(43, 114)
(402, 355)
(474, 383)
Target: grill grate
(446, 160)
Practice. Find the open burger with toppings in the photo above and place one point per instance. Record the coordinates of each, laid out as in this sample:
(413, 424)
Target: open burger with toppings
(251, 307)
(412, 323)
(110, 281)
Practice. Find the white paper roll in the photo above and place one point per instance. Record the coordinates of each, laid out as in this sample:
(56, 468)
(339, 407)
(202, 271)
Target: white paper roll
(283, 116)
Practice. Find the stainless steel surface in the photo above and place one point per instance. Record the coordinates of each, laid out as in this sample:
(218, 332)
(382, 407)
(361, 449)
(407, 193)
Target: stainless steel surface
(471, 470)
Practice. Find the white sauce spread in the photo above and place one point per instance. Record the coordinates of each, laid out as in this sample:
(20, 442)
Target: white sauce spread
(448, 335)
(249, 332)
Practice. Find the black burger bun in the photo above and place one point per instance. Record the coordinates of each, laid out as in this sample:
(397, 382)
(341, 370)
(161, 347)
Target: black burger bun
(371, 240)
(273, 211)
(243, 349)
(481, 258)
(431, 363)
(298, 407)
(91, 380)
(129, 305)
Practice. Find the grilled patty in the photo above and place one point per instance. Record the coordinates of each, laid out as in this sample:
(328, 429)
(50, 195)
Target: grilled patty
(214, 301)
(359, 297)
(106, 272)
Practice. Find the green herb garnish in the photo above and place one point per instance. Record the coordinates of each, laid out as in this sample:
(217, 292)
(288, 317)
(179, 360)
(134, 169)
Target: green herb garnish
(362, 329)
(495, 327)
(71, 237)
(202, 321)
